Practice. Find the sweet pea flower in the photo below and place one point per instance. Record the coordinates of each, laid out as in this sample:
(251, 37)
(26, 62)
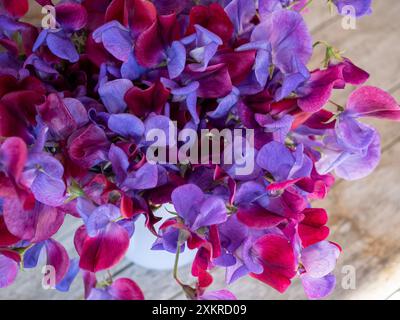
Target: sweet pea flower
(353, 148)
(206, 44)
(197, 209)
(101, 242)
(279, 49)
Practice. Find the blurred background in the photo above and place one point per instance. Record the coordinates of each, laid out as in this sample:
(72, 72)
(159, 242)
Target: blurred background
(364, 215)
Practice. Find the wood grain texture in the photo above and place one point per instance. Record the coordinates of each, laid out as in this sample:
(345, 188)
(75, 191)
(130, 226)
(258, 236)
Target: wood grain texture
(364, 215)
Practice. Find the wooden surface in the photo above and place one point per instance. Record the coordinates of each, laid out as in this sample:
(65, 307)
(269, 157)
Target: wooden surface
(364, 215)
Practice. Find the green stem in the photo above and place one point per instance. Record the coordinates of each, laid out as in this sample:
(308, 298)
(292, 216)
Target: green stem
(178, 251)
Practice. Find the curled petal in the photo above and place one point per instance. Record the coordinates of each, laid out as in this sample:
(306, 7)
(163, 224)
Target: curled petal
(57, 257)
(370, 101)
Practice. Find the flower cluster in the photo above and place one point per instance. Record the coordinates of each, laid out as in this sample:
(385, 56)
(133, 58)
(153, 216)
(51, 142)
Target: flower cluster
(76, 103)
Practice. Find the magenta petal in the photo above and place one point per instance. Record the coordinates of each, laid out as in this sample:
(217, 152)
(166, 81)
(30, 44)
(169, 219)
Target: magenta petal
(6, 238)
(57, 257)
(8, 271)
(34, 225)
(56, 116)
(71, 16)
(319, 87)
(88, 146)
(215, 82)
(125, 289)
(104, 250)
(148, 47)
(77, 110)
(13, 155)
(257, 217)
(276, 254)
(353, 74)
(370, 101)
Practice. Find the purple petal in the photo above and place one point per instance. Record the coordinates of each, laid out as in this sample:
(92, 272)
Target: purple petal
(241, 13)
(126, 125)
(101, 217)
(158, 122)
(187, 200)
(176, 59)
(144, 178)
(320, 259)
(318, 288)
(31, 256)
(288, 35)
(119, 161)
(61, 46)
(358, 166)
(276, 159)
(69, 277)
(279, 128)
(48, 190)
(8, 271)
(353, 135)
(360, 7)
(112, 94)
(116, 39)
(212, 211)
(84, 207)
(40, 39)
(225, 104)
(131, 69)
(48, 186)
(218, 295)
(251, 191)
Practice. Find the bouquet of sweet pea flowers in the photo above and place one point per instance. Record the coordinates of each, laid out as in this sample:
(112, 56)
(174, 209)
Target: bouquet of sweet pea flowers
(110, 109)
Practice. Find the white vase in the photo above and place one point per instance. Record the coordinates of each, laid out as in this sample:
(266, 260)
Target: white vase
(140, 251)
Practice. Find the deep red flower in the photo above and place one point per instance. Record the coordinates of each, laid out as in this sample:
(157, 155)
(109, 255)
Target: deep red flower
(213, 18)
(142, 102)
